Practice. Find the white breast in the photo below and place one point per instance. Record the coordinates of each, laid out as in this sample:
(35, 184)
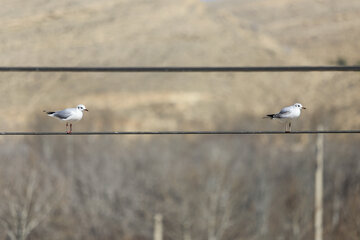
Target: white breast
(75, 116)
(295, 112)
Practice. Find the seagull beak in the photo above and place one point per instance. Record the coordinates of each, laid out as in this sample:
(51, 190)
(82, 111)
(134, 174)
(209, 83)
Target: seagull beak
(86, 109)
(303, 107)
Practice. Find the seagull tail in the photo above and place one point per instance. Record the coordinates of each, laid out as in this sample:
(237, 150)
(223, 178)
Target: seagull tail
(48, 113)
(272, 116)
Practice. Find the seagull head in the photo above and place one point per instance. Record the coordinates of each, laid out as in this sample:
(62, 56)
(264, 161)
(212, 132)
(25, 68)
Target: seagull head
(82, 107)
(298, 105)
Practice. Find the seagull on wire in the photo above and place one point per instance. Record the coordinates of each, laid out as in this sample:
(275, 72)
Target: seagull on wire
(288, 113)
(69, 115)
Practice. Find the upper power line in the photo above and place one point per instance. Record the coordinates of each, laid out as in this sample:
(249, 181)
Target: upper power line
(186, 69)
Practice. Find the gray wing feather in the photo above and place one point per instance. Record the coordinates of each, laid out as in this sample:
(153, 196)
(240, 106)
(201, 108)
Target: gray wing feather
(63, 114)
(285, 110)
(282, 114)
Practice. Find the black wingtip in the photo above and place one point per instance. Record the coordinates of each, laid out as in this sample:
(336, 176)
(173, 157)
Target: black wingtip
(48, 112)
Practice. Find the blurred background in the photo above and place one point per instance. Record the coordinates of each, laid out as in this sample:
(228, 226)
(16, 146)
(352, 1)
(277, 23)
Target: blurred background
(203, 187)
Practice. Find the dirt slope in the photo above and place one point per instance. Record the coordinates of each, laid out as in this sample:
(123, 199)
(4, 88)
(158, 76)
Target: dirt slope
(161, 33)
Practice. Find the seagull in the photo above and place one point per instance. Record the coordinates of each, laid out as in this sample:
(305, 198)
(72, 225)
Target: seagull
(69, 115)
(288, 113)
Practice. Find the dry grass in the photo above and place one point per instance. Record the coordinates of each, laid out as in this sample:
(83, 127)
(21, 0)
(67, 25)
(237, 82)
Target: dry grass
(172, 33)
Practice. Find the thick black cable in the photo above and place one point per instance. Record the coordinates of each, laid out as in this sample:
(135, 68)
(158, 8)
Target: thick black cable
(186, 69)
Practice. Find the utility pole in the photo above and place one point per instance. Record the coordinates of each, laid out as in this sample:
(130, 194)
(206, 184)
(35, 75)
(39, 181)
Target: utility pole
(319, 185)
(187, 235)
(158, 227)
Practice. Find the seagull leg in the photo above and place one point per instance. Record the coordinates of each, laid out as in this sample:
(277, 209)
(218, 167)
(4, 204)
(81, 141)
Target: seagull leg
(286, 128)
(67, 128)
(70, 127)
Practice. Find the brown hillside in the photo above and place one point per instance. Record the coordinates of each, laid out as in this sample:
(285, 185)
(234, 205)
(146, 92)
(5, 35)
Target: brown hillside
(162, 33)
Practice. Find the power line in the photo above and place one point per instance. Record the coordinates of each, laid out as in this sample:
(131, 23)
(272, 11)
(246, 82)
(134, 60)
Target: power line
(184, 133)
(186, 69)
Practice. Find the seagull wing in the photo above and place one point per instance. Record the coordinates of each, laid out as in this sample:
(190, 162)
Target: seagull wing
(284, 113)
(63, 114)
(285, 110)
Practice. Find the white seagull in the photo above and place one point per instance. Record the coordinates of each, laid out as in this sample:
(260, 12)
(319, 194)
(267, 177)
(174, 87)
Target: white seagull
(69, 115)
(288, 113)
